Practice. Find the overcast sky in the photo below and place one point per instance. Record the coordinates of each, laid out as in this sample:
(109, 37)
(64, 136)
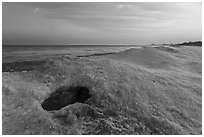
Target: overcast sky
(101, 23)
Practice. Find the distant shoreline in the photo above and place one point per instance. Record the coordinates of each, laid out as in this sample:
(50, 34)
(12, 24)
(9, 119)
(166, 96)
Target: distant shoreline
(195, 43)
(71, 45)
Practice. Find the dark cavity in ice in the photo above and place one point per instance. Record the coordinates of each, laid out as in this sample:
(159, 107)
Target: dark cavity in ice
(64, 96)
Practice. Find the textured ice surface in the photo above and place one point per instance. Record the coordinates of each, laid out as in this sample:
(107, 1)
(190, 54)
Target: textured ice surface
(129, 94)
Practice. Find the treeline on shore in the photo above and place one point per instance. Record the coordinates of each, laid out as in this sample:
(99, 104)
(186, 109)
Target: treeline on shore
(196, 43)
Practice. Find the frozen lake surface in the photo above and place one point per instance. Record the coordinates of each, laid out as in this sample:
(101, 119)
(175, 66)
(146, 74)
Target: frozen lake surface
(17, 53)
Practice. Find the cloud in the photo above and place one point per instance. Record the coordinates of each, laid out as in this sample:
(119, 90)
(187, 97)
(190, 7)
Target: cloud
(36, 10)
(106, 21)
(123, 6)
(112, 16)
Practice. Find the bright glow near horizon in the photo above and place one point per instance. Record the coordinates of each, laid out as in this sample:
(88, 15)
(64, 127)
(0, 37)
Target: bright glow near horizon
(101, 23)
